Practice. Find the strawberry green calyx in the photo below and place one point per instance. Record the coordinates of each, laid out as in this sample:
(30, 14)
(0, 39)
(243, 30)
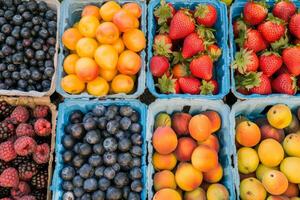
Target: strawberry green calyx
(163, 13)
(201, 11)
(268, 53)
(282, 43)
(214, 52)
(249, 80)
(275, 20)
(164, 28)
(242, 37)
(166, 85)
(242, 59)
(242, 27)
(263, 3)
(162, 49)
(177, 58)
(207, 88)
(206, 33)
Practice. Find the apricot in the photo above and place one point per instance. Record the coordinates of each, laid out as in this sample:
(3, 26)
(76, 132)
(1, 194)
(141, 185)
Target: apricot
(134, 40)
(277, 198)
(204, 158)
(129, 63)
(187, 177)
(279, 116)
(164, 179)
(268, 131)
(262, 169)
(214, 175)
(185, 148)
(251, 188)
(247, 134)
(162, 119)
(88, 25)
(72, 84)
(212, 142)
(290, 166)
(200, 127)
(291, 144)
(270, 152)
(295, 198)
(125, 21)
(292, 190)
(180, 123)
(119, 45)
(86, 47)
(69, 63)
(86, 69)
(107, 33)
(98, 87)
(91, 10)
(247, 160)
(107, 74)
(215, 119)
(164, 140)
(167, 193)
(108, 10)
(275, 182)
(106, 57)
(70, 38)
(161, 162)
(197, 194)
(217, 191)
(134, 8)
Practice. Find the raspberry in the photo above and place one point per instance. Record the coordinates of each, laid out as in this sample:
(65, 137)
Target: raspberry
(7, 151)
(27, 170)
(24, 129)
(42, 127)
(24, 145)
(27, 197)
(41, 154)
(9, 178)
(22, 189)
(6, 198)
(40, 111)
(20, 114)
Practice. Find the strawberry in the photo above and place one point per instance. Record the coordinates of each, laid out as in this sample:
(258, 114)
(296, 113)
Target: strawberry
(255, 12)
(255, 82)
(272, 29)
(285, 84)
(294, 25)
(245, 61)
(238, 27)
(168, 85)
(296, 41)
(270, 62)
(180, 70)
(159, 65)
(291, 58)
(182, 24)
(209, 87)
(192, 45)
(214, 52)
(189, 85)
(164, 12)
(162, 45)
(284, 9)
(252, 40)
(206, 15)
(202, 67)
(243, 91)
(283, 69)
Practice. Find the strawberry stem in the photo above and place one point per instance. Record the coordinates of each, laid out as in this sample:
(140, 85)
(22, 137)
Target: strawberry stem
(163, 13)
(207, 88)
(166, 85)
(249, 80)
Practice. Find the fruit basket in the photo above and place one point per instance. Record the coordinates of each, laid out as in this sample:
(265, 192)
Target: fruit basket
(255, 110)
(235, 12)
(24, 89)
(70, 14)
(193, 106)
(221, 72)
(68, 107)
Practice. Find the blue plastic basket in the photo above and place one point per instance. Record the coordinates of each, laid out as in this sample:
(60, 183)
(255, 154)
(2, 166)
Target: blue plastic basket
(235, 11)
(195, 106)
(70, 14)
(253, 108)
(65, 109)
(221, 71)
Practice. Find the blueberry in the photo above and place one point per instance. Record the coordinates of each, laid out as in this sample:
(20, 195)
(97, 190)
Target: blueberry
(77, 131)
(110, 114)
(124, 145)
(76, 147)
(90, 124)
(124, 160)
(7, 50)
(134, 196)
(103, 183)
(46, 84)
(110, 144)
(16, 32)
(29, 25)
(109, 173)
(67, 173)
(112, 126)
(135, 128)
(92, 137)
(27, 43)
(19, 47)
(27, 15)
(109, 158)
(118, 118)
(68, 196)
(136, 186)
(2, 21)
(9, 82)
(25, 74)
(2, 67)
(36, 75)
(90, 184)
(135, 173)
(77, 181)
(39, 55)
(98, 148)
(78, 161)
(42, 6)
(99, 110)
(99, 171)
(17, 58)
(43, 33)
(86, 171)
(126, 111)
(135, 117)
(116, 167)
(105, 133)
(85, 149)
(113, 193)
(121, 179)
(126, 191)
(25, 33)
(68, 141)
(50, 14)
(49, 63)
(11, 41)
(120, 135)
(98, 195)
(76, 117)
(95, 160)
(102, 123)
(2, 37)
(11, 67)
(136, 151)
(67, 185)
(78, 191)
(49, 71)
(36, 45)
(32, 5)
(6, 74)
(17, 19)
(68, 156)
(8, 14)
(87, 116)
(136, 139)
(113, 107)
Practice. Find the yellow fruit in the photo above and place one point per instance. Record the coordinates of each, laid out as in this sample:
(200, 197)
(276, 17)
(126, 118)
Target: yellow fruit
(122, 84)
(69, 63)
(129, 63)
(119, 45)
(291, 145)
(247, 160)
(88, 25)
(290, 166)
(106, 57)
(217, 191)
(98, 87)
(108, 10)
(134, 40)
(197, 194)
(108, 75)
(86, 47)
(227, 2)
(279, 116)
(270, 152)
(70, 37)
(275, 182)
(107, 33)
(252, 189)
(72, 84)
(262, 169)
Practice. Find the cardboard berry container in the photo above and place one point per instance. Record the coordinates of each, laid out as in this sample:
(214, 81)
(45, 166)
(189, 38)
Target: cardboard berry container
(236, 10)
(70, 14)
(252, 109)
(194, 106)
(32, 102)
(65, 109)
(221, 71)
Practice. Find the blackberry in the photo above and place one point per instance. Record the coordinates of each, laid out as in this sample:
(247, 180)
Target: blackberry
(40, 194)
(4, 192)
(5, 109)
(27, 170)
(3, 166)
(42, 140)
(6, 130)
(40, 180)
(19, 160)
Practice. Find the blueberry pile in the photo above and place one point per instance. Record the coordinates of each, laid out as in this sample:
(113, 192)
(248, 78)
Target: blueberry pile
(27, 45)
(102, 156)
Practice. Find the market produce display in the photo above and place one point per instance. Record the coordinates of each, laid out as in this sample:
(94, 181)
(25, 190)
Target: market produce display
(27, 45)
(268, 155)
(104, 50)
(268, 56)
(102, 156)
(25, 136)
(185, 50)
(186, 157)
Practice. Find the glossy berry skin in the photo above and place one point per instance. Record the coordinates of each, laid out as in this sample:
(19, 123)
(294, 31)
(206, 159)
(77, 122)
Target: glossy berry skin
(181, 25)
(159, 65)
(285, 84)
(270, 63)
(206, 15)
(254, 13)
(202, 67)
(284, 10)
(294, 25)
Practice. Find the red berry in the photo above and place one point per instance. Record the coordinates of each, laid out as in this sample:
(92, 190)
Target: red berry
(41, 154)
(25, 129)
(7, 151)
(9, 178)
(159, 65)
(40, 111)
(206, 15)
(255, 13)
(20, 114)
(42, 127)
(284, 9)
(24, 145)
(182, 24)
(27, 197)
(22, 190)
